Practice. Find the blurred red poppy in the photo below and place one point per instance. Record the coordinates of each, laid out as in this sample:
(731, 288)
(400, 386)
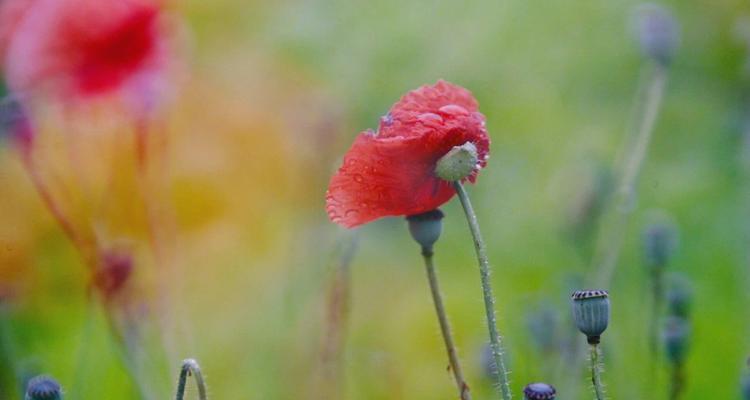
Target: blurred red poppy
(80, 49)
(391, 172)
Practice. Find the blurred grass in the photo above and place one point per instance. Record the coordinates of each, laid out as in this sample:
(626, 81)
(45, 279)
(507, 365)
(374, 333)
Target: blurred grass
(276, 94)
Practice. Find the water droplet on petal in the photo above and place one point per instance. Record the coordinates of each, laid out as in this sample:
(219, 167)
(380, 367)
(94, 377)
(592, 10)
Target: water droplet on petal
(453, 109)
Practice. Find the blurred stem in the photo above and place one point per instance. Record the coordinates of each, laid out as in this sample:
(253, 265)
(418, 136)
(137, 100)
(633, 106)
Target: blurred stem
(445, 328)
(84, 246)
(608, 251)
(657, 285)
(8, 373)
(191, 367)
(337, 312)
(489, 298)
(678, 381)
(127, 353)
(596, 372)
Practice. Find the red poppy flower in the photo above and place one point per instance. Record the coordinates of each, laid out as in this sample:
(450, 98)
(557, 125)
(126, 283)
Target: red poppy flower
(79, 49)
(391, 172)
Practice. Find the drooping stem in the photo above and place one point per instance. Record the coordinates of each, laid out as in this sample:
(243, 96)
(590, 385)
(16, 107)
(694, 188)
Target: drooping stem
(191, 367)
(489, 298)
(608, 251)
(445, 328)
(596, 372)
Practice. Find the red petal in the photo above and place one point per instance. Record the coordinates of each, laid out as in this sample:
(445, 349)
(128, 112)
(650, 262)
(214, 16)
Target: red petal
(83, 47)
(391, 173)
(395, 176)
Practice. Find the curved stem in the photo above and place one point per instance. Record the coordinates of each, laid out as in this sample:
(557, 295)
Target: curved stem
(489, 299)
(445, 328)
(191, 367)
(596, 372)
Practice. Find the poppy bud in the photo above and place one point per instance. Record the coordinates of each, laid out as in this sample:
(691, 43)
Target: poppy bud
(425, 228)
(659, 243)
(460, 162)
(676, 336)
(591, 313)
(539, 391)
(657, 32)
(43, 388)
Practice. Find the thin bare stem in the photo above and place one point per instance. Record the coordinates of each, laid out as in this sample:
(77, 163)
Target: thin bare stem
(191, 367)
(445, 328)
(596, 372)
(608, 251)
(677, 381)
(489, 299)
(330, 385)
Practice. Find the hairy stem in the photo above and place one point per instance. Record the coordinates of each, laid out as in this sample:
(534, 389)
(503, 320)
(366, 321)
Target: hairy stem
(191, 367)
(489, 298)
(445, 328)
(596, 372)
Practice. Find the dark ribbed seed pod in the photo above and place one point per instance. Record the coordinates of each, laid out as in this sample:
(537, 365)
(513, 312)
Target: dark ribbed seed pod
(426, 228)
(539, 391)
(591, 313)
(43, 388)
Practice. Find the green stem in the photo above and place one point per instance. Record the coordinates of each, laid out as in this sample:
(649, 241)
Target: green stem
(596, 372)
(445, 328)
(489, 298)
(678, 381)
(624, 201)
(191, 367)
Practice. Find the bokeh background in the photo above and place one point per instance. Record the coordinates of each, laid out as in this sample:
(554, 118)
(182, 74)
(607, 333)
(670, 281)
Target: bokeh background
(273, 95)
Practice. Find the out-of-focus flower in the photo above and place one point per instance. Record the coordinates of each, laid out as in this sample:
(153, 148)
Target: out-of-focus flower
(74, 50)
(391, 172)
(657, 31)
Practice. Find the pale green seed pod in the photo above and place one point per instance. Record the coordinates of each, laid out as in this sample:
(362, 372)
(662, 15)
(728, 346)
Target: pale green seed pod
(426, 228)
(591, 313)
(460, 162)
(539, 391)
(43, 388)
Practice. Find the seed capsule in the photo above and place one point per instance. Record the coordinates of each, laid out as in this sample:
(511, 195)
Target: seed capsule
(676, 338)
(539, 391)
(426, 228)
(458, 163)
(591, 313)
(43, 388)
